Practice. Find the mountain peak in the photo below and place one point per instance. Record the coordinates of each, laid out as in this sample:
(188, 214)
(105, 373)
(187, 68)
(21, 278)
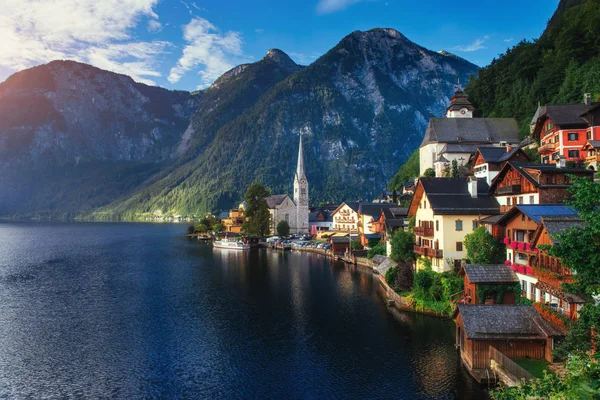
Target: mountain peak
(282, 59)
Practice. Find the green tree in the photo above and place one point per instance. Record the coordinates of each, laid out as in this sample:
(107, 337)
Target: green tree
(201, 228)
(454, 170)
(218, 227)
(482, 248)
(257, 210)
(378, 249)
(410, 169)
(283, 228)
(403, 246)
(429, 173)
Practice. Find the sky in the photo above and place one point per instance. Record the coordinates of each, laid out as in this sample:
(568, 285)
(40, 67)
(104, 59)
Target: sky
(187, 44)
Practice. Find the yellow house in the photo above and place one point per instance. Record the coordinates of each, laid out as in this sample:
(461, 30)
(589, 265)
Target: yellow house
(445, 210)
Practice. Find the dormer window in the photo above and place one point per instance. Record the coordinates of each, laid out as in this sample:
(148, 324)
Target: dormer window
(458, 138)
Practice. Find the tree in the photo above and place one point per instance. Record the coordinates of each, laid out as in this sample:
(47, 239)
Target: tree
(406, 276)
(409, 170)
(429, 173)
(454, 170)
(283, 228)
(482, 248)
(201, 228)
(579, 249)
(403, 246)
(218, 227)
(378, 249)
(257, 210)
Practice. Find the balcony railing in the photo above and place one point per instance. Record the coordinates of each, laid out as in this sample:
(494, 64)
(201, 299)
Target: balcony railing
(547, 148)
(591, 159)
(510, 189)
(428, 252)
(423, 231)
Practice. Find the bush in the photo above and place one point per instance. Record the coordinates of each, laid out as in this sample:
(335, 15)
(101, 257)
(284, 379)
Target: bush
(391, 276)
(378, 249)
(283, 228)
(406, 276)
(402, 246)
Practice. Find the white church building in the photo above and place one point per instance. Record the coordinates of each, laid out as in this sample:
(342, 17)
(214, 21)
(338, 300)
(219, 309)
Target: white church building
(295, 212)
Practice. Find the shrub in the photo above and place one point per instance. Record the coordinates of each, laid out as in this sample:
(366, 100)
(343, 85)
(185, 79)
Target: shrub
(378, 249)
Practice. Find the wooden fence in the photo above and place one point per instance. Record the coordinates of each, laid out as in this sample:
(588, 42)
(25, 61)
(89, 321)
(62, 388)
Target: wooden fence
(509, 365)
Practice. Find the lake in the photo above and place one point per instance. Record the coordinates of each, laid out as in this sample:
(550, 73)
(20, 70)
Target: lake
(137, 311)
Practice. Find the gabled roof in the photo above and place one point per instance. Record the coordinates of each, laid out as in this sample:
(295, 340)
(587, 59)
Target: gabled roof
(566, 114)
(593, 143)
(537, 211)
(223, 215)
(450, 196)
(458, 148)
(352, 204)
(496, 154)
(275, 200)
(493, 273)
(525, 169)
(460, 100)
(538, 113)
(374, 209)
(471, 130)
(504, 321)
(556, 225)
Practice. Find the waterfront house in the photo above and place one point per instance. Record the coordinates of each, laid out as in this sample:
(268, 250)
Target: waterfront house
(340, 243)
(519, 183)
(457, 136)
(320, 220)
(489, 160)
(517, 331)
(389, 221)
(592, 154)
(517, 228)
(345, 217)
(563, 130)
(489, 284)
(549, 272)
(235, 219)
(368, 213)
(445, 210)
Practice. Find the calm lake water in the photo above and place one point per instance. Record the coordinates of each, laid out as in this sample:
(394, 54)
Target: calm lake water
(137, 311)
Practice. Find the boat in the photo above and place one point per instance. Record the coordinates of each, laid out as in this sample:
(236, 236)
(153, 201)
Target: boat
(231, 243)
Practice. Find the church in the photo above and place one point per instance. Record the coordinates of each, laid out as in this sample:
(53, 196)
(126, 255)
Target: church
(294, 212)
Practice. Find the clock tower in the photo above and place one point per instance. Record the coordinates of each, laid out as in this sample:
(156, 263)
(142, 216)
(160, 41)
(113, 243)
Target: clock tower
(301, 193)
(460, 106)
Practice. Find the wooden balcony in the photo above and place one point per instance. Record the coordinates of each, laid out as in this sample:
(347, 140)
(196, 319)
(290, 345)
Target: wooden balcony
(547, 148)
(428, 252)
(510, 189)
(423, 231)
(591, 159)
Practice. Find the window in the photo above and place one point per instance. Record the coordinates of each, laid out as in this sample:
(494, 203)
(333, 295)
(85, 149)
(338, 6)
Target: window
(508, 201)
(531, 199)
(556, 139)
(458, 225)
(474, 225)
(520, 199)
(531, 288)
(573, 154)
(437, 226)
(459, 246)
(573, 136)
(589, 135)
(523, 285)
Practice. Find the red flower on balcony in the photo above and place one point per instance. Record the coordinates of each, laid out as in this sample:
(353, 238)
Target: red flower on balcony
(507, 262)
(513, 245)
(521, 269)
(506, 240)
(514, 267)
(528, 270)
(528, 246)
(521, 246)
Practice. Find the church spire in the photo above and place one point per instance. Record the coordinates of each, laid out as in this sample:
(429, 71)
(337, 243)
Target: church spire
(300, 173)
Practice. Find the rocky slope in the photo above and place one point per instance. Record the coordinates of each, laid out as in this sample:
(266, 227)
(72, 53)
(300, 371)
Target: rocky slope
(363, 108)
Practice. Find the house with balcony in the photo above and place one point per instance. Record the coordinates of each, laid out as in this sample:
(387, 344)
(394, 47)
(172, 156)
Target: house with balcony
(550, 272)
(563, 130)
(345, 217)
(524, 183)
(488, 284)
(389, 221)
(368, 214)
(591, 151)
(445, 210)
(488, 161)
(519, 226)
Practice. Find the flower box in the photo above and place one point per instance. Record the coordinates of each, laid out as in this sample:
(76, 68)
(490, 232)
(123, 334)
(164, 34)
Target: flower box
(528, 271)
(513, 245)
(506, 241)
(521, 246)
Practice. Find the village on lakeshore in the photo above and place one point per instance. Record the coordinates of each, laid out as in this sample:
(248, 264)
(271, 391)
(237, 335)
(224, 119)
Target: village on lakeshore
(470, 238)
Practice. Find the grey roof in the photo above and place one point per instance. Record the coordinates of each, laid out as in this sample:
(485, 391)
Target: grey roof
(374, 209)
(378, 259)
(595, 143)
(275, 200)
(502, 321)
(385, 265)
(496, 154)
(493, 273)
(223, 215)
(458, 148)
(555, 225)
(450, 196)
(471, 130)
(460, 101)
(352, 204)
(538, 113)
(566, 114)
(313, 216)
(523, 168)
(399, 211)
(491, 220)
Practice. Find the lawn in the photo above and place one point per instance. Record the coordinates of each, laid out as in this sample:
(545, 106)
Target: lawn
(534, 367)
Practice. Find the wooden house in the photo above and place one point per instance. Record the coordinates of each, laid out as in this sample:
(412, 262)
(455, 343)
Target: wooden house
(550, 273)
(517, 331)
(368, 213)
(519, 183)
(489, 160)
(489, 284)
(592, 154)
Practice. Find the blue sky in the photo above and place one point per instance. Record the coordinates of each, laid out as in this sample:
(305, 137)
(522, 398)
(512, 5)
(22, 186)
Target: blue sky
(185, 44)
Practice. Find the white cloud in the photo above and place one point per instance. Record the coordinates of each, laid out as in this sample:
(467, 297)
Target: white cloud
(509, 40)
(476, 45)
(38, 31)
(331, 6)
(207, 48)
(154, 26)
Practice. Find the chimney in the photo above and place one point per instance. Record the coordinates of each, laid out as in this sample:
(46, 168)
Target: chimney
(472, 186)
(561, 162)
(587, 99)
(508, 148)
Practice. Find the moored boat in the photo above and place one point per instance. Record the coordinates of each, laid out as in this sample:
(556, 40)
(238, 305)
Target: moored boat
(231, 243)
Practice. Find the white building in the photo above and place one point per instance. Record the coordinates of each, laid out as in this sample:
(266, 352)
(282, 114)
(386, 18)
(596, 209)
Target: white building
(345, 217)
(294, 212)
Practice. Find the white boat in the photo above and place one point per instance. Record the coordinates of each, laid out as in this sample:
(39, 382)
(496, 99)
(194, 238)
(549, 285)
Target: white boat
(231, 243)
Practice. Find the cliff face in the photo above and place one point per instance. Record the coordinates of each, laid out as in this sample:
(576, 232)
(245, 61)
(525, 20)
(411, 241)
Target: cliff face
(363, 108)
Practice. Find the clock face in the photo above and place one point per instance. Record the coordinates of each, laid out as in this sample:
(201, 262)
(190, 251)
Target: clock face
(463, 111)
(303, 181)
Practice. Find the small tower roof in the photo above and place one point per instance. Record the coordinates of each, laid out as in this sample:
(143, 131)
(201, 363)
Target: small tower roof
(300, 172)
(459, 101)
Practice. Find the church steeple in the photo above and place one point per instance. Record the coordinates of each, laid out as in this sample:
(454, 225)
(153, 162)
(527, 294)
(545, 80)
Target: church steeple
(300, 173)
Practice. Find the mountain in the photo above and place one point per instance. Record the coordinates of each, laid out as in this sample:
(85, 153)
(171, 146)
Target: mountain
(74, 137)
(362, 108)
(559, 67)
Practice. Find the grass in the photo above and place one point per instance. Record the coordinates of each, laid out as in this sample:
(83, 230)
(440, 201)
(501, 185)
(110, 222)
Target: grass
(534, 367)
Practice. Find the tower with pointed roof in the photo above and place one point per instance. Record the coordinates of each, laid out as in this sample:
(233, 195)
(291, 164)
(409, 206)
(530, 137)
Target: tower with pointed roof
(301, 192)
(460, 106)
